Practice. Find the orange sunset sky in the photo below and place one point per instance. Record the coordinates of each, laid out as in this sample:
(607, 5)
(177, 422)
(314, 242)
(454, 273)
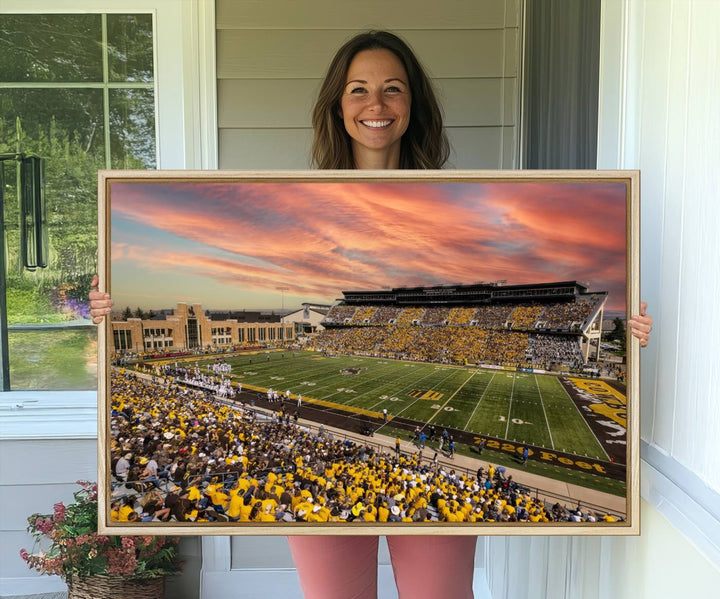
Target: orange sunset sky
(234, 245)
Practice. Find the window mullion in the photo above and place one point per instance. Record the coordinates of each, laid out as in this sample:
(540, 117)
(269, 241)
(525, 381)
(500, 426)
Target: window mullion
(4, 345)
(106, 90)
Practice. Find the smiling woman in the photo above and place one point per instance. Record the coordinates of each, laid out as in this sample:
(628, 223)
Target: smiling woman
(375, 108)
(375, 78)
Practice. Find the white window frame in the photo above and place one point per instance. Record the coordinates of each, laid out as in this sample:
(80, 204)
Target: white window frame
(186, 136)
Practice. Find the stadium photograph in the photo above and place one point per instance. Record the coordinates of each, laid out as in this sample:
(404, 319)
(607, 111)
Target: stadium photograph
(302, 354)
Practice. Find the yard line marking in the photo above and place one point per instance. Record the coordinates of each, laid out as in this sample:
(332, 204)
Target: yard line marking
(422, 366)
(331, 378)
(512, 391)
(542, 403)
(440, 383)
(479, 400)
(373, 390)
(391, 384)
(440, 409)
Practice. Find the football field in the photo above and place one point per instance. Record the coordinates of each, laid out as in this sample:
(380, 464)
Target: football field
(517, 406)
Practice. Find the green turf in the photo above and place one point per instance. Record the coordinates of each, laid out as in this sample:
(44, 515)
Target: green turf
(520, 407)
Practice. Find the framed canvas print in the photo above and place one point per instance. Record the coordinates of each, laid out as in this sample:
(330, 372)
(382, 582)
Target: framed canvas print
(366, 352)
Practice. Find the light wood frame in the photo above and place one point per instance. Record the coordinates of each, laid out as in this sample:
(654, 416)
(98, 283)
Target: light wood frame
(629, 179)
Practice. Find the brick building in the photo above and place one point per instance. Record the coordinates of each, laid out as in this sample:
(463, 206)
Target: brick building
(188, 326)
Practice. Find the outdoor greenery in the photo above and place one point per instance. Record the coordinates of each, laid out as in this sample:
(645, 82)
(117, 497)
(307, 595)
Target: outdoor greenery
(54, 360)
(618, 336)
(71, 198)
(65, 125)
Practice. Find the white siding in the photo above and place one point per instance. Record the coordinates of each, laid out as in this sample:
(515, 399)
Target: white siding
(672, 133)
(271, 58)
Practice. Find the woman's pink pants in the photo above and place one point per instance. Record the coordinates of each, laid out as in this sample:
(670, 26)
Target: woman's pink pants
(345, 567)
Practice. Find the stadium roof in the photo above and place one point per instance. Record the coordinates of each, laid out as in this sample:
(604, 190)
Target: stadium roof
(477, 293)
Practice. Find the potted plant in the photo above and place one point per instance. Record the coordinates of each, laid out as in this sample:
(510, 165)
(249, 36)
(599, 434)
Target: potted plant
(95, 566)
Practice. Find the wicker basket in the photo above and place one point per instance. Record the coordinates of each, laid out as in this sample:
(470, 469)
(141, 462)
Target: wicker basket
(116, 587)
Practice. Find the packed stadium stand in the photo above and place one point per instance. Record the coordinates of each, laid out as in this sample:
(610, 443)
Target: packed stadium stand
(435, 315)
(385, 315)
(545, 326)
(177, 455)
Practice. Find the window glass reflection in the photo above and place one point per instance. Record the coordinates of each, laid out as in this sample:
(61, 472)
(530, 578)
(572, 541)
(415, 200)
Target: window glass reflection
(62, 48)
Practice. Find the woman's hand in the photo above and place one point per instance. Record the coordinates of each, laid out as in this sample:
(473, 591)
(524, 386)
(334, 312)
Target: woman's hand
(100, 303)
(641, 325)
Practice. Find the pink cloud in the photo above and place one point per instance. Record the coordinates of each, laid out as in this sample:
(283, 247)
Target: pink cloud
(326, 237)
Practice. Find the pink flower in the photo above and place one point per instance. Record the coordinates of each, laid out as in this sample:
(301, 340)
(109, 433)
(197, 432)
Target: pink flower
(73, 554)
(121, 562)
(59, 512)
(128, 543)
(43, 526)
(53, 565)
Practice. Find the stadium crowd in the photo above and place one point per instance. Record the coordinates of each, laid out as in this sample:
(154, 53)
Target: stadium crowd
(461, 315)
(557, 315)
(548, 350)
(179, 455)
(566, 316)
(493, 316)
(444, 344)
(435, 315)
(525, 316)
(363, 314)
(384, 314)
(340, 312)
(505, 334)
(410, 315)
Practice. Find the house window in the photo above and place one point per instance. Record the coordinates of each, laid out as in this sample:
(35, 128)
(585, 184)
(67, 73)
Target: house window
(77, 90)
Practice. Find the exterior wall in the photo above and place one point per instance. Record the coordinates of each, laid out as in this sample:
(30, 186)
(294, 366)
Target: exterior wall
(39, 469)
(272, 56)
(176, 328)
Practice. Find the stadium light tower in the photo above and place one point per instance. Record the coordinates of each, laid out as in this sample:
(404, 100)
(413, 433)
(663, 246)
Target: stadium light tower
(282, 291)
